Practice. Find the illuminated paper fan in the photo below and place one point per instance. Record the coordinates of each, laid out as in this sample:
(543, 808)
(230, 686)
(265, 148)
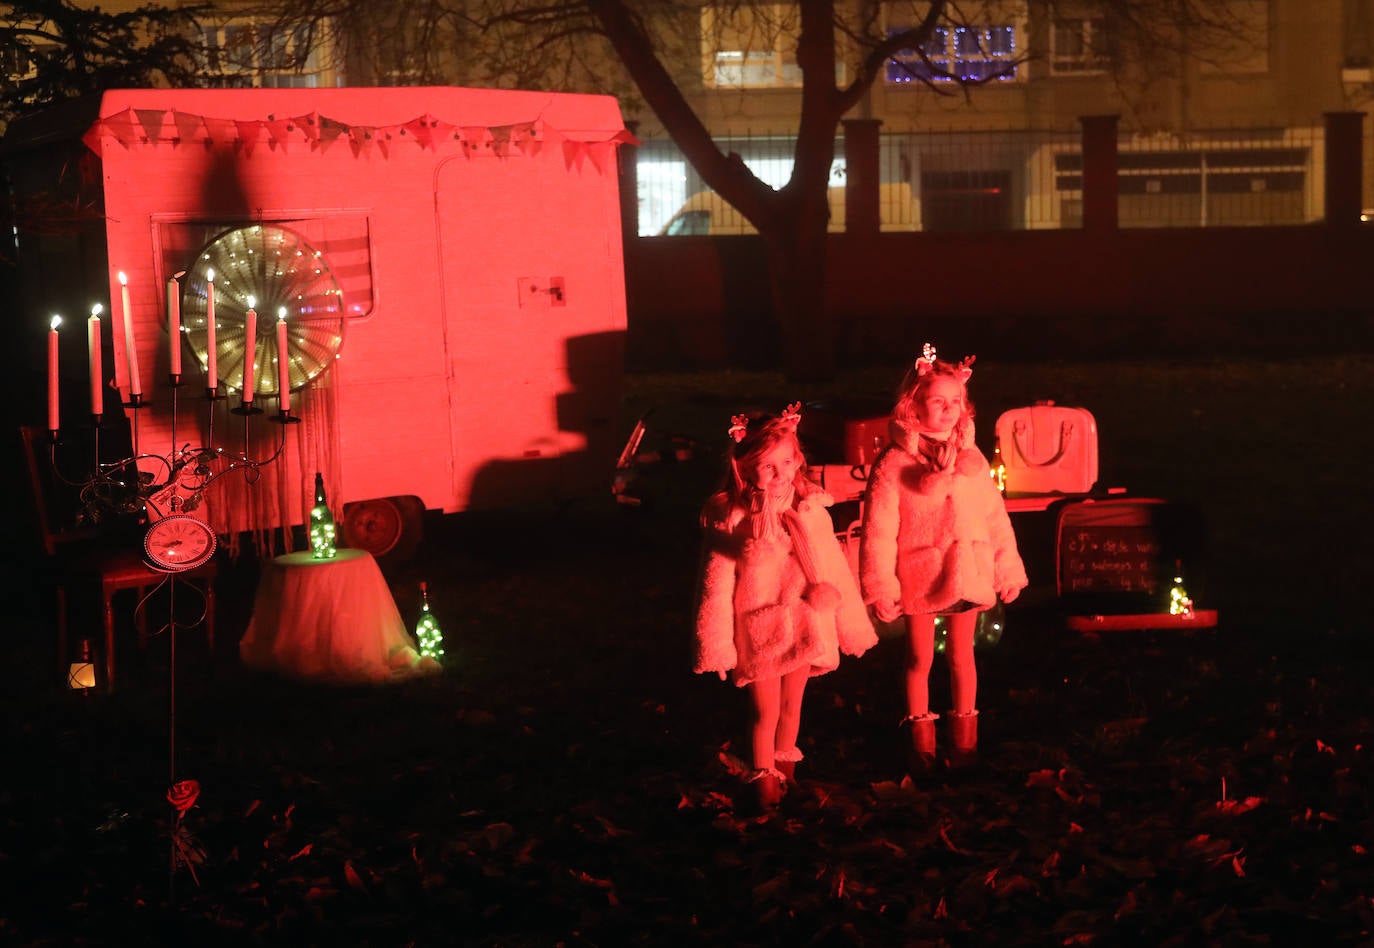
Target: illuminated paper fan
(281, 273)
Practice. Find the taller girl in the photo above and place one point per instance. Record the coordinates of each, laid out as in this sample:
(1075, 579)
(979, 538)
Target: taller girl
(937, 542)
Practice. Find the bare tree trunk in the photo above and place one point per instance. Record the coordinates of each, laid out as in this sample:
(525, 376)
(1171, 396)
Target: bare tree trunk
(796, 274)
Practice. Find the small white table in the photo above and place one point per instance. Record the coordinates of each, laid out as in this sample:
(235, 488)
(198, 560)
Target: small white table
(329, 620)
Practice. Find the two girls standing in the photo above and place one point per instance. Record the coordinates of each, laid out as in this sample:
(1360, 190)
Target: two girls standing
(777, 602)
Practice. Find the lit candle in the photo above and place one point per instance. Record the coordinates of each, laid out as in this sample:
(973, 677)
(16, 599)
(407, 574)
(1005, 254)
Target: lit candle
(211, 357)
(130, 347)
(52, 374)
(174, 324)
(93, 338)
(283, 364)
(250, 350)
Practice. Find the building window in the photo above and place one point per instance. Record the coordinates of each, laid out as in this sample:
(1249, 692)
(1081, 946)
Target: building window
(1079, 46)
(14, 57)
(248, 53)
(967, 53)
(751, 46)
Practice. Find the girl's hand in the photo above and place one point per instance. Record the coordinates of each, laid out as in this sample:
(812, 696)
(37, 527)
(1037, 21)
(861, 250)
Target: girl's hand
(1009, 594)
(721, 674)
(889, 611)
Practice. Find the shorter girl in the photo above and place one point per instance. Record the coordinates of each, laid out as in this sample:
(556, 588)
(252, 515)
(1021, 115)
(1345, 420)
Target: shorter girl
(937, 541)
(776, 602)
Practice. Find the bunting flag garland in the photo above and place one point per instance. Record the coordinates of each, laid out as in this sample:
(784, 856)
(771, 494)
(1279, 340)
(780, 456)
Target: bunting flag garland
(150, 120)
(190, 128)
(132, 127)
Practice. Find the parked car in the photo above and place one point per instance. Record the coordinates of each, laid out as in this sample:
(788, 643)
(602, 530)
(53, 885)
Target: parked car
(707, 213)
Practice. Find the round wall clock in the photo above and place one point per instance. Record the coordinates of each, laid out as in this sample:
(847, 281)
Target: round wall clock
(178, 542)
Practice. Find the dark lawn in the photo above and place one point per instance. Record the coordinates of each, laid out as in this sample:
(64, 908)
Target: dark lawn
(567, 780)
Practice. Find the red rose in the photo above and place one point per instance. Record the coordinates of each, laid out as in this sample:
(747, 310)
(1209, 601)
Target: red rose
(182, 795)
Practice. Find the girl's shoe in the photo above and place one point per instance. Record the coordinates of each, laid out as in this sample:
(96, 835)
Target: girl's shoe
(922, 742)
(963, 738)
(768, 787)
(786, 763)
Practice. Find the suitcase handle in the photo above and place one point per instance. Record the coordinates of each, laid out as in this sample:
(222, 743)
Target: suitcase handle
(1065, 435)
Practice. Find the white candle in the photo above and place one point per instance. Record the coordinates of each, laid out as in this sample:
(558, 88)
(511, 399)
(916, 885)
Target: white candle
(283, 364)
(250, 351)
(174, 325)
(93, 339)
(211, 357)
(130, 345)
(52, 374)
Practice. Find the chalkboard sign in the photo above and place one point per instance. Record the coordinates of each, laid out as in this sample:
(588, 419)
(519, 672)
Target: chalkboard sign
(1110, 559)
(1120, 554)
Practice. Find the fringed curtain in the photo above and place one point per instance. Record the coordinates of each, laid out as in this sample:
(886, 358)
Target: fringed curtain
(268, 500)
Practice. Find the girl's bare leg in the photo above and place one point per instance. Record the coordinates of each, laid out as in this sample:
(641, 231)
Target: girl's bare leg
(963, 674)
(785, 751)
(767, 781)
(767, 695)
(963, 687)
(920, 634)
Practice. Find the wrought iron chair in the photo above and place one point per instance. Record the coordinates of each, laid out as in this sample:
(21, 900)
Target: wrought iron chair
(77, 558)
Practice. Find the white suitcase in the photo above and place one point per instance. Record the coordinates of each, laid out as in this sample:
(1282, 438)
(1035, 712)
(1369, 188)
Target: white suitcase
(1048, 449)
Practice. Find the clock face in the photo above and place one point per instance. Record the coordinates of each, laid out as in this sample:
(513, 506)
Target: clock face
(178, 542)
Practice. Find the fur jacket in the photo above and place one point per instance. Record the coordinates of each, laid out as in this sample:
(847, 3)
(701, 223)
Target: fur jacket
(936, 540)
(756, 612)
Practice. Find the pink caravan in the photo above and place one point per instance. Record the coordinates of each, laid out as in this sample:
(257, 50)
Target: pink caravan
(454, 300)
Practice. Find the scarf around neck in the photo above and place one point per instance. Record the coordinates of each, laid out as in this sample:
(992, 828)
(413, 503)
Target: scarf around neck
(765, 513)
(938, 454)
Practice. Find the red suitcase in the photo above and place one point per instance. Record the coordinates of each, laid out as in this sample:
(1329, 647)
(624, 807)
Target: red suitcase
(850, 432)
(1048, 449)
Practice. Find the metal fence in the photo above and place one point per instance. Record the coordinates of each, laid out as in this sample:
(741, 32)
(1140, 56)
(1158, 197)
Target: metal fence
(951, 181)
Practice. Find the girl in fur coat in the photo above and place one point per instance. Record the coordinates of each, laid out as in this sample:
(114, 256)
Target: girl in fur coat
(777, 602)
(937, 541)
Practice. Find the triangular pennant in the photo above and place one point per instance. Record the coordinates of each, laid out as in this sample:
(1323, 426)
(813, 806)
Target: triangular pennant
(330, 132)
(151, 122)
(625, 137)
(550, 134)
(600, 154)
(250, 134)
(279, 131)
(221, 130)
(94, 137)
(476, 139)
(361, 138)
(420, 130)
(526, 138)
(121, 126)
(573, 153)
(190, 127)
(309, 126)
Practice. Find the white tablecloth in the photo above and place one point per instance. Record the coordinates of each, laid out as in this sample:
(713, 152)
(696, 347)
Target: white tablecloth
(331, 620)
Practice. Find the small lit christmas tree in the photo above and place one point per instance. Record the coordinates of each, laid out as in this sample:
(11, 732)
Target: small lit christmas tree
(999, 467)
(427, 632)
(322, 528)
(1179, 602)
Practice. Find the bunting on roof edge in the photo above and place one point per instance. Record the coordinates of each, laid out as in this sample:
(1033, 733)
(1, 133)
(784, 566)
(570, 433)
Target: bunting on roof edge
(132, 127)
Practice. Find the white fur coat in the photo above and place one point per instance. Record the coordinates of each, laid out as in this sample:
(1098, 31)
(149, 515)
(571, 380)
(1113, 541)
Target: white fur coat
(756, 612)
(933, 539)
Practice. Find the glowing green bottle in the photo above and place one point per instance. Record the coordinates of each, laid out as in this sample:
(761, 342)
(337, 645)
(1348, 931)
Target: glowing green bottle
(321, 524)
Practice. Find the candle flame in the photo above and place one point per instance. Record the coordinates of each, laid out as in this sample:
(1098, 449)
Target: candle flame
(56, 321)
(210, 274)
(281, 312)
(124, 280)
(252, 302)
(97, 309)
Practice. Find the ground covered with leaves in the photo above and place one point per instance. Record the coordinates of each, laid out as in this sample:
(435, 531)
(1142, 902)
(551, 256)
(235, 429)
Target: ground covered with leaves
(566, 780)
